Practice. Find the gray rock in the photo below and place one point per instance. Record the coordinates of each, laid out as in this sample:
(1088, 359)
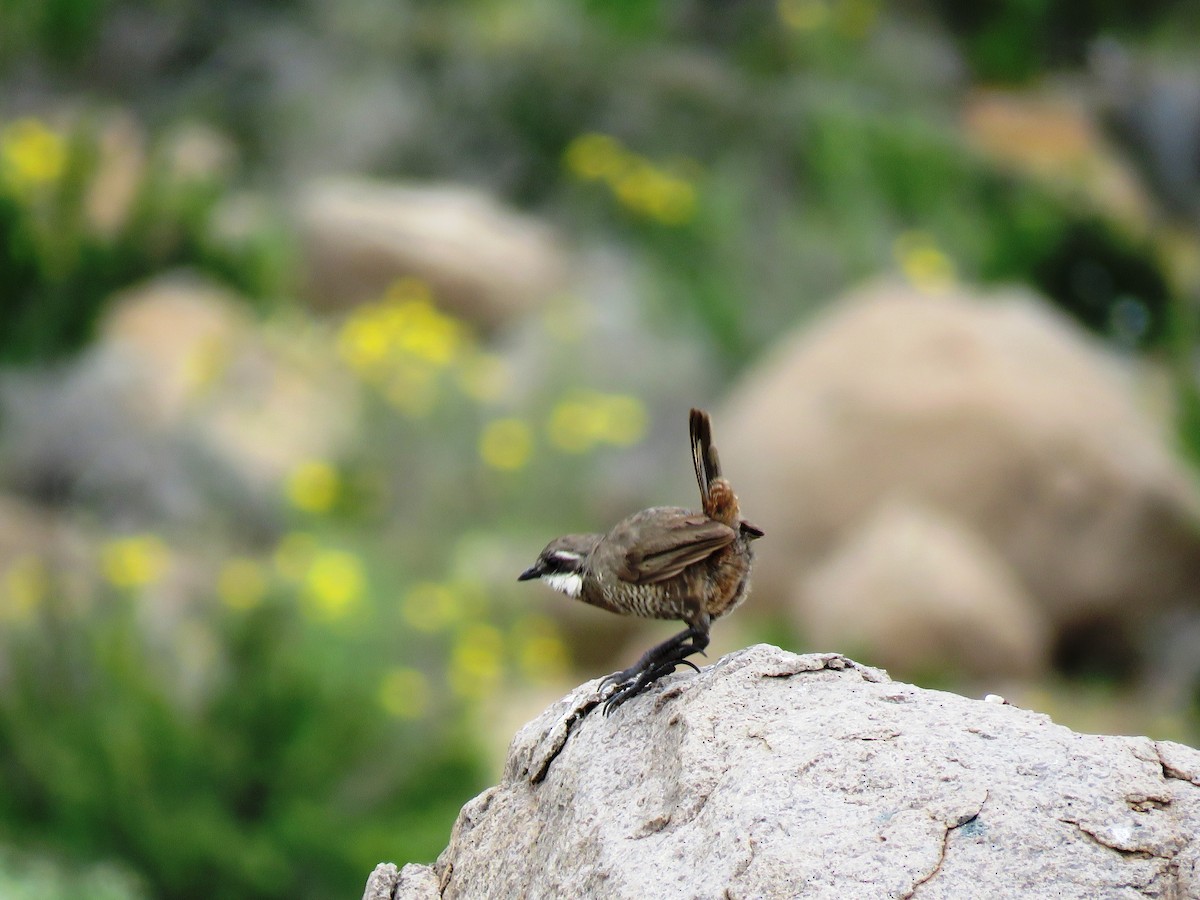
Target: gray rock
(992, 410)
(183, 409)
(413, 882)
(776, 775)
(381, 884)
(916, 589)
(484, 263)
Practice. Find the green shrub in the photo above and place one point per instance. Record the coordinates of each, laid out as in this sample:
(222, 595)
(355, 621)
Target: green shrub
(271, 770)
(78, 222)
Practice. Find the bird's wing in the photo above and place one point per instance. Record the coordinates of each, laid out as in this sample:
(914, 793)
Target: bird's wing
(672, 543)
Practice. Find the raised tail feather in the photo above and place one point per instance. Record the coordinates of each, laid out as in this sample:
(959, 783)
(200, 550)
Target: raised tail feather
(704, 455)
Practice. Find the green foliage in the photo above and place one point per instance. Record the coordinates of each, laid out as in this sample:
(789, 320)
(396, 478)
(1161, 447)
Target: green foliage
(273, 776)
(1013, 40)
(869, 179)
(310, 709)
(71, 234)
(61, 30)
(275, 724)
(630, 17)
(1182, 337)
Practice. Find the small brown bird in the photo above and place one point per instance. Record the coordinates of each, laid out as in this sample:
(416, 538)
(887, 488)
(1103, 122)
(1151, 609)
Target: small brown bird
(665, 562)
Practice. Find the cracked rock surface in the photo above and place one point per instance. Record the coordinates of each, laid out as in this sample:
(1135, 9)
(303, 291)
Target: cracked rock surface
(771, 774)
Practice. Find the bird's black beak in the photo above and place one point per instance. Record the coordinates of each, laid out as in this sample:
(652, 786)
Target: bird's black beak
(534, 571)
(752, 531)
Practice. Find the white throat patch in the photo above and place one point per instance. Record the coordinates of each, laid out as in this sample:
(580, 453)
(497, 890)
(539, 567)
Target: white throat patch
(569, 583)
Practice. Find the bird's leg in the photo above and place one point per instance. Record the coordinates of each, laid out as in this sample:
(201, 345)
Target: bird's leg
(657, 654)
(656, 662)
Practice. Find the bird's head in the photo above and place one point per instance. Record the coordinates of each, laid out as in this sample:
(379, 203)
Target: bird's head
(561, 564)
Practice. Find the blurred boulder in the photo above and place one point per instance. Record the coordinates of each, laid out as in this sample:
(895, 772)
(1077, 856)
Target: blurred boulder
(997, 412)
(172, 334)
(183, 407)
(120, 168)
(267, 396)
(913, 589)
(772, 775)
(484, 263)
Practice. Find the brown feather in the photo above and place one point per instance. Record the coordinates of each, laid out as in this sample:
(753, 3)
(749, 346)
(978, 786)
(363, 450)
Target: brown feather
(680, 540)
(703, 458)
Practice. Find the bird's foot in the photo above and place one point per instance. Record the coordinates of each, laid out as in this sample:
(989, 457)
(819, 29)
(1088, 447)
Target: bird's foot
(616, 679)
(650, 661)
(656, 662)
(629, 686)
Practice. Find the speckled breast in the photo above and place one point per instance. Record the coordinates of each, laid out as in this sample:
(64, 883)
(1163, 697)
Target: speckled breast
(729, 578)
(718, 585)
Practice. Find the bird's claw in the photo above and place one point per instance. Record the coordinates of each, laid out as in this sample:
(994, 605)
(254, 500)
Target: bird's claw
(616, 679)
(628, 687)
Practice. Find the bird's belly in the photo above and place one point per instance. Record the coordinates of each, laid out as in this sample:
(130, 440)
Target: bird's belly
(717, 586)
(661, 600)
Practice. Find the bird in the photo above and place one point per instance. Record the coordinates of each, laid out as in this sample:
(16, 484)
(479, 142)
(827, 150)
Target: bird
(665, 562)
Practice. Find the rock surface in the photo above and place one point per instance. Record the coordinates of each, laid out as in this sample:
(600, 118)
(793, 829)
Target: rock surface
(484, 263)
(772, 775)
(183, 408)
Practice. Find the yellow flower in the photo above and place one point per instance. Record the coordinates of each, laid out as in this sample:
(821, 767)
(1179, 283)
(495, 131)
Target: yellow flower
(587, 418)
(31, 153)
(923, 263)
(403, 327)
(363, 343)
(294, 555)
(313, 486)
(402, 344)
(476, 661)
(804, 15)
(649, 191)
(635, 187)
(242, 583)
(26, 584)
(638, 184)
(134, 562)
(404, 693)
(595, 156)
(673, 201)
(431, 607)
(575, 426)
(424, 332)
(335, 582)
(506, 444)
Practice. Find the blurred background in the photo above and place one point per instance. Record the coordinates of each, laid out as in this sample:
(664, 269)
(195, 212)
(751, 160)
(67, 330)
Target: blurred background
(317, 321)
